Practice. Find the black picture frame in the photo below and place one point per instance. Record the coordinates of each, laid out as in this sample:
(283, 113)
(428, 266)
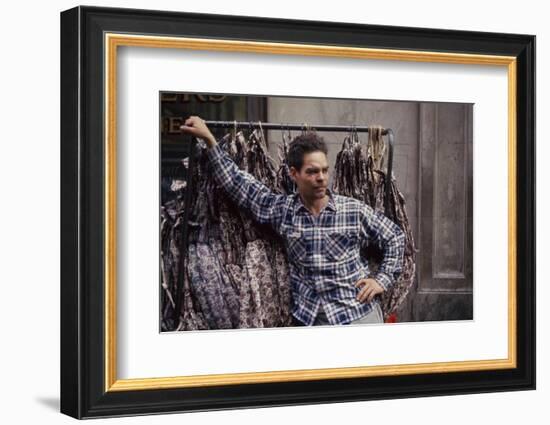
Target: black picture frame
(83, 168)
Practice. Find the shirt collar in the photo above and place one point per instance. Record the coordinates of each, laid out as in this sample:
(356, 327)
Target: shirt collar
(299, 205)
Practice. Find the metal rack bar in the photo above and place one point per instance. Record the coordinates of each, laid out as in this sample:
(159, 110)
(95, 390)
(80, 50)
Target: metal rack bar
(282, 126)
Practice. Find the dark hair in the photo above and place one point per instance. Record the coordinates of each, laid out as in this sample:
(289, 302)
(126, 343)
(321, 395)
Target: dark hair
(303, 144)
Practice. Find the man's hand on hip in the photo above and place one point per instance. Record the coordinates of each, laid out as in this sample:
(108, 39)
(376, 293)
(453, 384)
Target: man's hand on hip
(369, 289)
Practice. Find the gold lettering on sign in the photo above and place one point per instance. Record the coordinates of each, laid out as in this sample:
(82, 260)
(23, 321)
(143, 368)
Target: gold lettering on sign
(217, 99)
(174, 126)
(169, 97)
(186, 97)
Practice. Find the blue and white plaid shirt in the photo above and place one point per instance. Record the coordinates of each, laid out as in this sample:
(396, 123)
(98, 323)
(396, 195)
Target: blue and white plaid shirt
(323, 251)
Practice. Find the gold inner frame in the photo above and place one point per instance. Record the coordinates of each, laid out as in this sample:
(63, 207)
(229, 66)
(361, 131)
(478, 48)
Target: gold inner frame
(113, 41)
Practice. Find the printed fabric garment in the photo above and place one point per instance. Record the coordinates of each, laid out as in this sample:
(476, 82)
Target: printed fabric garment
(190, 316)
(214, 291)
(280, 268)
(260, 272)
(249, 297)
(323, 251)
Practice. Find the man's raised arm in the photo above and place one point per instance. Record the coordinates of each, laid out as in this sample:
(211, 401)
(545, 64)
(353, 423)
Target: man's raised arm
(265, 206)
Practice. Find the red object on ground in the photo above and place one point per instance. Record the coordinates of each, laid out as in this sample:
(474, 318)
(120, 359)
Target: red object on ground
(392, 318)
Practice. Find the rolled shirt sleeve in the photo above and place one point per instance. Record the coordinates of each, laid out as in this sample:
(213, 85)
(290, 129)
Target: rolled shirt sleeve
(247, 192)
(377, 228)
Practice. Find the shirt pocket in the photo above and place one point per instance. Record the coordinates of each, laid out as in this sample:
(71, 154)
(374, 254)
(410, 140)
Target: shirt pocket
(340, 245)
(296, 245)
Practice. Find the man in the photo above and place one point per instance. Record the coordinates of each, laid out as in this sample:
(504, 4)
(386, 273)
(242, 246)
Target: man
(323, 233)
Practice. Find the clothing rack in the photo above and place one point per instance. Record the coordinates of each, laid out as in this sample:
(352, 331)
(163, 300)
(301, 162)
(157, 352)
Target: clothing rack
(267, 126)
(333, 128)
(281, 126)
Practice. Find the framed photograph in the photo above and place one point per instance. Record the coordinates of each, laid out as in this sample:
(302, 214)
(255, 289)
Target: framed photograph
(261, 212)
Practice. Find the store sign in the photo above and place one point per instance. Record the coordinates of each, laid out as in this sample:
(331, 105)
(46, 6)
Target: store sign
(186, 98)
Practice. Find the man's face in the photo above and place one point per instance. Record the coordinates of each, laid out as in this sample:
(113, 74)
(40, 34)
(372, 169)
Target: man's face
(312, 178)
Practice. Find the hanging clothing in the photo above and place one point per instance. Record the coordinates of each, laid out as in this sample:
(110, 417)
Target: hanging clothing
(358, 173)
(237, 269)
(241, 273)
(324, 258)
